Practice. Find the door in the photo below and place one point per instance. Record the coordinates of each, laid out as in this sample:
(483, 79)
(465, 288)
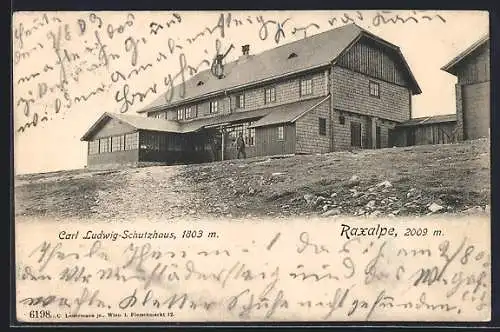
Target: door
(356, 134)
(378, 138)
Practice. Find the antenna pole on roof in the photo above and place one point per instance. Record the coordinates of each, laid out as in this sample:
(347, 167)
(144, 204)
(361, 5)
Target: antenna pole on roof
(217, 68)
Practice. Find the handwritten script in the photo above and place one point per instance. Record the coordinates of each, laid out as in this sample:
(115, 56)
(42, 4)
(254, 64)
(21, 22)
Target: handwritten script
(65, 61)
(232, 271)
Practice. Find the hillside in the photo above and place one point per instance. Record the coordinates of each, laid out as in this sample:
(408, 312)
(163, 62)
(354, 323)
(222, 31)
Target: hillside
(453, 178)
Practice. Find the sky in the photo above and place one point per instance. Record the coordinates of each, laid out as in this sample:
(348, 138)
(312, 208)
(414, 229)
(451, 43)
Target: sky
(96, 53)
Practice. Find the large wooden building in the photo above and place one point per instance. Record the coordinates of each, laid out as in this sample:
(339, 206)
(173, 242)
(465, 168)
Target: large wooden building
(341, 89)
(472, 69)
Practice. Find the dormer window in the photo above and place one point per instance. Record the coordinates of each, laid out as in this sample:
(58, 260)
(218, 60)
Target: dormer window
(292, 55)
(200, 83)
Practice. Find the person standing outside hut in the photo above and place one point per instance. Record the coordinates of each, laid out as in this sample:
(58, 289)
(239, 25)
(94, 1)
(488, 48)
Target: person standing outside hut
(216, 147)
(240, 145)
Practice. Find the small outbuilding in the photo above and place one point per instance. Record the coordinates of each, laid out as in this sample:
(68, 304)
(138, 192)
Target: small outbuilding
(472, 69)
(438, 129)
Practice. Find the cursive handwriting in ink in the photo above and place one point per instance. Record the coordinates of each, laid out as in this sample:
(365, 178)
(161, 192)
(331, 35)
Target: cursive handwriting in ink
(112, 31)
(435, 274)
(372, 270)
(48, 252)
(264, 30)
(21, 32)
(131, 45)
(305, 243)
(129, 99)
(304, 29)
(155, 27)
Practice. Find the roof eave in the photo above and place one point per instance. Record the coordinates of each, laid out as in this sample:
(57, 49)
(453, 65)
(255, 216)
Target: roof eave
(92, 128)
(450, 66)
(310, 109)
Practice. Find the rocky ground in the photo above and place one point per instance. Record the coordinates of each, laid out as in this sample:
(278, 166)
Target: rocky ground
(421, 180)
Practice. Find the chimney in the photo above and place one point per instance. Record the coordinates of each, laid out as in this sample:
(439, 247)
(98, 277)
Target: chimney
(245, 49)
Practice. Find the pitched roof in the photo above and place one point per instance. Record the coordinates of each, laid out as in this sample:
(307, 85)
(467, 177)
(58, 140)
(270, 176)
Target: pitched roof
(223, 118)
(427, 120)
(450, 66)
(289, 112)
(316, 51)
(173, 126)
(138, 122)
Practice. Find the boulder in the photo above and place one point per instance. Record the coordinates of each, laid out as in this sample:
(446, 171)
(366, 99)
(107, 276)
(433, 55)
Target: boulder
(309, 198)
(332, 212)
(434, 207)
(385, 184)
(354, 181)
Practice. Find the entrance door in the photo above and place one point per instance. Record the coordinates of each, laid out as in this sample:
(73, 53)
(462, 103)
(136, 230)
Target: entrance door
(378, 142)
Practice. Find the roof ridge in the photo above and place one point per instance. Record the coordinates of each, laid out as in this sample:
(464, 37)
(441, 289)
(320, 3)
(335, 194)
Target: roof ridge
(315, 51)
(235, 61)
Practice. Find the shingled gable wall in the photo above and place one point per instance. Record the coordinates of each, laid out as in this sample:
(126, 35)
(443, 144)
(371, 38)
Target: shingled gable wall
(352, 100)
(350, 92)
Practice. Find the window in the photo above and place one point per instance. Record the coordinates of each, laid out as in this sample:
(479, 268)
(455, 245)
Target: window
(306, 87)
(117, 143)
(157, 115)
(342, 120)
(94, 147)
(190, 112)
(180, 114)
(322, 126)
(281, 133)
(233, 132)
(270, 95)
(251, 137)
(105, 145)
(214, 106)
(240, 101)
(132, 141)
(374, 89)
(356, 134)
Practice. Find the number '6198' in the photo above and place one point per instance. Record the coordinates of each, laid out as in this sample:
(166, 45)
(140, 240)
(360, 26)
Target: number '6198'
(39, 314)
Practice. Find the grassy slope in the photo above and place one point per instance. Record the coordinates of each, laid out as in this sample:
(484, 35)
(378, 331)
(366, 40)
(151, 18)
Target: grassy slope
(455, 176)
